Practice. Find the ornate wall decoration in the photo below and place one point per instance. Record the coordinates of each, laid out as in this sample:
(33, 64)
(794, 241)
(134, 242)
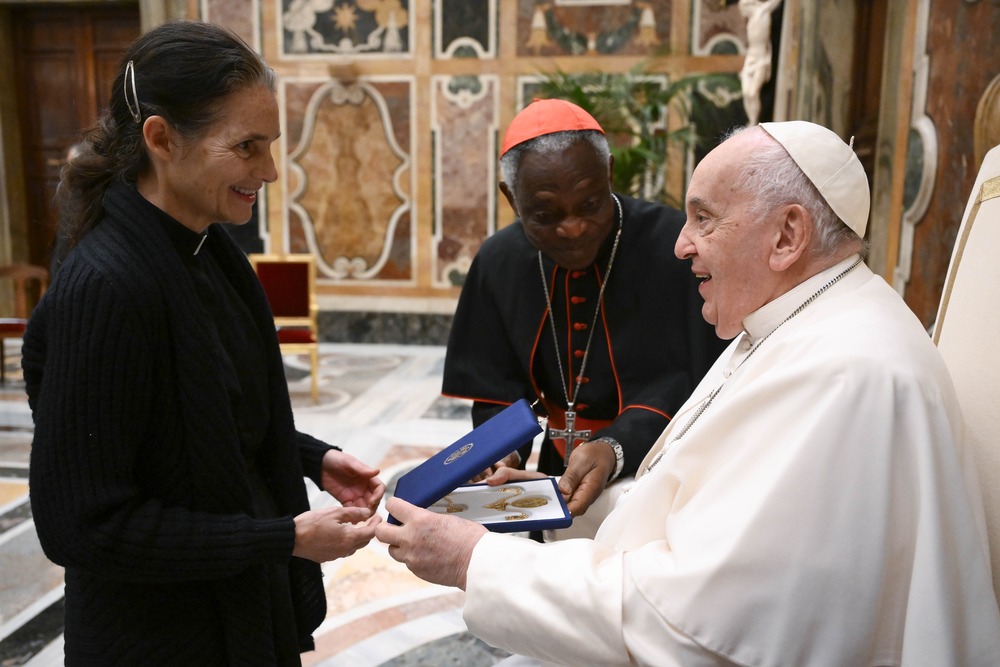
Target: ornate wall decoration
(391, 114)
(465, 28)
(717, 27)
(921, 154)
(464, 119)
(345, 27)
(592, 27)
(350, 178)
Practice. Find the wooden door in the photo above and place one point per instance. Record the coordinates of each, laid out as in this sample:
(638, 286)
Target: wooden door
(65, 61)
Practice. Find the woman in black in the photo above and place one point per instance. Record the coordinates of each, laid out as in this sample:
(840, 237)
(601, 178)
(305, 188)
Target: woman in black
(166, 471)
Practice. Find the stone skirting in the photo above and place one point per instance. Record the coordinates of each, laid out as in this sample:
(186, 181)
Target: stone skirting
(384, 328)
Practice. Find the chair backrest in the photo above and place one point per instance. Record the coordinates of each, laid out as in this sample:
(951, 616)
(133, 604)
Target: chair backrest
(969, 311)
(30, 283)
(290, 284)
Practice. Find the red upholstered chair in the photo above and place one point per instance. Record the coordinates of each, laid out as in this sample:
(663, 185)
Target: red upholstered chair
(30, 283)
(290, 284)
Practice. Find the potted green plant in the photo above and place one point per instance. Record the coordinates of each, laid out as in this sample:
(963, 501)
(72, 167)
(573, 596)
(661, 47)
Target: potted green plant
(633, 108)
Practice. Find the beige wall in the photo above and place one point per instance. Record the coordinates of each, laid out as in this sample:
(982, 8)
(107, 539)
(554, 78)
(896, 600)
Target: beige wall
(391, 121)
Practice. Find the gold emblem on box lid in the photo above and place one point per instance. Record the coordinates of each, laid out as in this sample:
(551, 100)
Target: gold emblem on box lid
(459, 453)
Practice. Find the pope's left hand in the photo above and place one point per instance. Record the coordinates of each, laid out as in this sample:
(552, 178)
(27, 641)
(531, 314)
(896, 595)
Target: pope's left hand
(435, 547)
(350, 481)
(586, 476)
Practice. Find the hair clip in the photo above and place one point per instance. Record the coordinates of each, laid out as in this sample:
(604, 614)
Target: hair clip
(130, 79)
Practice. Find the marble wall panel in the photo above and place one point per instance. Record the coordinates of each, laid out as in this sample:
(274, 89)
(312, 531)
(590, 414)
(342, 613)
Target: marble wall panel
(592, 27)
(350, 177)
(464, 28)
(464, 123)
(240, 16)
(355, 28)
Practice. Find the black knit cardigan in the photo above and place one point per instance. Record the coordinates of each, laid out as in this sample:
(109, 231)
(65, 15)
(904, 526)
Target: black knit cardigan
(138, 485)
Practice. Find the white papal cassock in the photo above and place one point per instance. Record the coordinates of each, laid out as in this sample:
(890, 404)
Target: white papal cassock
(821, 511)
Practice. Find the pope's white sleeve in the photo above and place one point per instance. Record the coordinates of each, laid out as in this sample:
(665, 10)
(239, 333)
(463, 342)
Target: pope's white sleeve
(563, 603)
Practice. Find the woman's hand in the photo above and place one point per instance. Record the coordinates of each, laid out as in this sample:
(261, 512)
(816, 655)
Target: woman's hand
(333, 532)
(350, 481)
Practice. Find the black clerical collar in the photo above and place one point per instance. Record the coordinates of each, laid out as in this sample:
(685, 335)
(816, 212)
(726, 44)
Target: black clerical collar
(188, 243)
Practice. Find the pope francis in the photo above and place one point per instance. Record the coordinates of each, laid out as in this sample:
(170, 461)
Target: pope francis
(810, 504)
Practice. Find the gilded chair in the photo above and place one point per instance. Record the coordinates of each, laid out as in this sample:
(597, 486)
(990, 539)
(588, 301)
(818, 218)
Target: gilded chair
(29, 283)
(290, 284)
(968, 312)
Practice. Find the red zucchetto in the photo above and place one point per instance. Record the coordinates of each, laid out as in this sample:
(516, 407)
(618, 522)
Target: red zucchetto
(545, 117)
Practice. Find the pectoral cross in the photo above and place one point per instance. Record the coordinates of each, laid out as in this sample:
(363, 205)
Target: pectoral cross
(570, 434)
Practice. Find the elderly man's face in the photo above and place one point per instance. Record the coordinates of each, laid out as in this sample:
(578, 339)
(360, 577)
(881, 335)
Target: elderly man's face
(729, 249)
(564, 201)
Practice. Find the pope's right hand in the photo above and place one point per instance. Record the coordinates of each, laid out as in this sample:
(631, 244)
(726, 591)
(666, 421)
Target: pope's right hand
(435, 547)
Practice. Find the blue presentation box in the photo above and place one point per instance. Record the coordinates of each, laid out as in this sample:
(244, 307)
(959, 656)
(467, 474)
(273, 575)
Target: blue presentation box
(440, 482)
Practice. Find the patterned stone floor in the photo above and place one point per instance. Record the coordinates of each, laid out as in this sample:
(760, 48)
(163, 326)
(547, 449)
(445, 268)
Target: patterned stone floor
(381, 403)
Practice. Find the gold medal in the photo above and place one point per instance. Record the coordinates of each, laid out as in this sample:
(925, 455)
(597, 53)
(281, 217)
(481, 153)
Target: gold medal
(452, 507)
(499, 505)
(529, 502)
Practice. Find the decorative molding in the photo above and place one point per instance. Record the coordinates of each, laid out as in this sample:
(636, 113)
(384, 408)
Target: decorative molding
(464, 110)
(330, 28)
(716, 43)
(922, 153)
(337, 263)
(729, 28)
(593, 28)
(468, 45)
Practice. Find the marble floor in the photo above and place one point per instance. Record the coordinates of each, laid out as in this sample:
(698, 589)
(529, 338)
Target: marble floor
(381, 403)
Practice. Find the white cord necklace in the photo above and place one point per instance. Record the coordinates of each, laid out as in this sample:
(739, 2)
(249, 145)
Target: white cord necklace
(570, 433)
(711, 397)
